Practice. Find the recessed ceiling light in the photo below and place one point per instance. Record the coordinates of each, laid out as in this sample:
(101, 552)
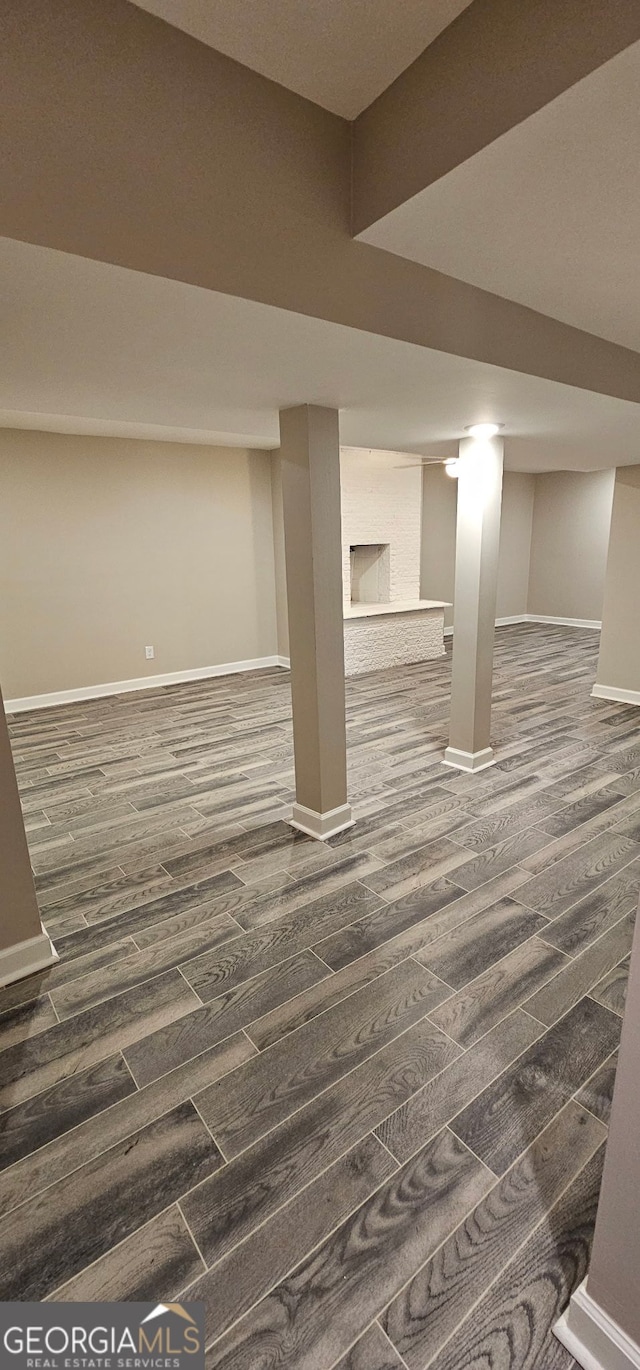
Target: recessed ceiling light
(483, 430)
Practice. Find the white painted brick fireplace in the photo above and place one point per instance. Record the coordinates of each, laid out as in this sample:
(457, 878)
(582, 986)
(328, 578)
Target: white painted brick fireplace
(385, 621)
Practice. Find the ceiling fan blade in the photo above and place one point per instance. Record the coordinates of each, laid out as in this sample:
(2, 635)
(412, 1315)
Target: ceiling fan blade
(422, 461)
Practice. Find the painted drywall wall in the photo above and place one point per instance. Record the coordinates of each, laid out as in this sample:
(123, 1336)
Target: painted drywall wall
(619, 662)
(19, 917)
(279, 562)
(515, 543)
(381, 505)
(437, 571)
(438, 549)
(569, 541)
(108, 545)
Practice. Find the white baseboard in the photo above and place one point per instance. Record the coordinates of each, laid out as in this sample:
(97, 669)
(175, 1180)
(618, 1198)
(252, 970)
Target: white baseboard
(593, 1338)
(149, 682)
(541, 618)
(565, 622)
(617, 695)
(283, 661)
(27, 957)
(469, 761)
(321, 825)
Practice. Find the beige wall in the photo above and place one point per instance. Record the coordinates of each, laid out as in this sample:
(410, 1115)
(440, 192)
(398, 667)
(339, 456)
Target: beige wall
(108, 545)
(438, 552)
(571, 518)
(619, 663)
(515, 543)
(282, 616)
(439, 540)
(553, 542)
(19, 917)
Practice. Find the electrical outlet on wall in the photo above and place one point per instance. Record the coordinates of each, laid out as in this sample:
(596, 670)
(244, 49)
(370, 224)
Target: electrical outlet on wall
(149, 653)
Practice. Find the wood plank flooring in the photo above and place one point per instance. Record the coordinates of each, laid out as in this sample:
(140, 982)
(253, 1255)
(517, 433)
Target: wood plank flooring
(353, 1096)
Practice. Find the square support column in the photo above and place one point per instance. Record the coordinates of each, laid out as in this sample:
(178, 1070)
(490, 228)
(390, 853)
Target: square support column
(24, 945)
(476, 583)
(601, 1326)
(310, 453)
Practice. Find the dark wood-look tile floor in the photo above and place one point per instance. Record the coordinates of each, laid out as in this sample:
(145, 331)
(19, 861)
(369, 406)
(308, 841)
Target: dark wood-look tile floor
(353, 1096)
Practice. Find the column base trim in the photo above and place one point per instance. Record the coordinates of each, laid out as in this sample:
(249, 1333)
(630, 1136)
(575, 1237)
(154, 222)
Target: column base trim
(593, 1338)
(321, 825)
(23, 959)
(617, 695)
(469, 761)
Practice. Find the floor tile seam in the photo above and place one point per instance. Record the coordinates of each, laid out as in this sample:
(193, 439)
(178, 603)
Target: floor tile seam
(131, 1075)
(134, 840)
(107, 998)
(567, 954)
(565, 1090)
(513, 1257)
(618, 871)
(389, 940)
(24, 1040)
(100, 1059)
(535, 935)
(590, 995)
(192, 1236)
(350, 994)
(527, 826)
(297, 907)
(608, 1059)
(361, 1336)
(117, 1051)
(443, 876)
(485, 1166)
(314, 1020)
(595, 818)
(242, 932)
(209, 1269)
(445, 985)
(575, 960)
(472, 1098)
(587, 1109)
(212, 915)
(189, 1098)
(318, 1095)
(538, 1021)
(387, 1338)
(225, 1160)
(50, 1295)
(102, 866)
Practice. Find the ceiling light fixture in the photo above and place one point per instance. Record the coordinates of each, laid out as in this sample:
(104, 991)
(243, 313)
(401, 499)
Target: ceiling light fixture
(451, 467)
(483, 430)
